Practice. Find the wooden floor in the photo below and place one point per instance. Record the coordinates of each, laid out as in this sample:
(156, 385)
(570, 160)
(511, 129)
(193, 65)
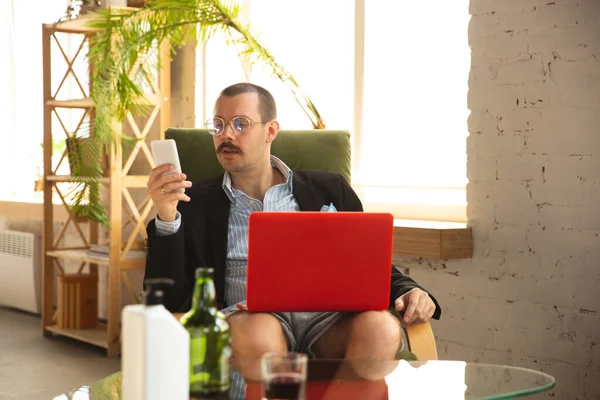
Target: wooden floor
(33, 367)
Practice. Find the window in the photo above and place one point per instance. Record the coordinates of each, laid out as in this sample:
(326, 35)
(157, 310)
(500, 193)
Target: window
(393, 73)
(412, 143)
(21, 107)
(313, 46)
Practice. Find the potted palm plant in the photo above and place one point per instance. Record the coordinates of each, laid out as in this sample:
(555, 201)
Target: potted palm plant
(125, 37)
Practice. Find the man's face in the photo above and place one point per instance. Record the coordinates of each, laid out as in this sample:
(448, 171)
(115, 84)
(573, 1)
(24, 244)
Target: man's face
(240, 152)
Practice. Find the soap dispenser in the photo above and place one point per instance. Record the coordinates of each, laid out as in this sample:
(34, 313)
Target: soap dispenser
(155, 349)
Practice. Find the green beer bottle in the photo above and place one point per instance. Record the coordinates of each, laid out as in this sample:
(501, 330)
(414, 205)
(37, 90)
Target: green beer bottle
(210, 348)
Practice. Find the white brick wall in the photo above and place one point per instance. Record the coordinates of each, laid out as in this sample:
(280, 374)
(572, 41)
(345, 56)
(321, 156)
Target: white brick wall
(531, 294)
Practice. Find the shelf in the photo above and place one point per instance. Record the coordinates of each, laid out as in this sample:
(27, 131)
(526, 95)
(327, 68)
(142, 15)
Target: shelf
(70, 178)
(78, 255)
(87, 102)
(77, 25)
(97, 336)
(82, 255)
(129, 181)
(75, 103)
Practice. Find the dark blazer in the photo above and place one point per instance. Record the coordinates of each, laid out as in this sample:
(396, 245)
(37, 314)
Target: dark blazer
(202, 238)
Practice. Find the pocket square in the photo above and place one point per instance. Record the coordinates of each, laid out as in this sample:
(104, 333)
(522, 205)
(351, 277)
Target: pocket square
(329, 208)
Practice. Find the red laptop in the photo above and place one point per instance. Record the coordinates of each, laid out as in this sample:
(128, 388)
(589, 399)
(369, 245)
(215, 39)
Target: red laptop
(319, 261)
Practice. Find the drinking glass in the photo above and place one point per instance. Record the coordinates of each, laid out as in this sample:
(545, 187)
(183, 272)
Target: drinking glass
(284, 376)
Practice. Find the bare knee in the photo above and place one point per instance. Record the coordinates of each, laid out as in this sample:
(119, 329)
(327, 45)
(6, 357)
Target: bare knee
(253, 334)
(376, 334)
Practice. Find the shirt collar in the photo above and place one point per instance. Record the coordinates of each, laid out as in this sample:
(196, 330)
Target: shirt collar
(275, 162)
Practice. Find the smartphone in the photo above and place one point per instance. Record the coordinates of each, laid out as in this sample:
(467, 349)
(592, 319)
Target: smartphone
(165, 152)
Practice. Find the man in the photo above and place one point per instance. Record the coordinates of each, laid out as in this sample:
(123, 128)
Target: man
(208, 226)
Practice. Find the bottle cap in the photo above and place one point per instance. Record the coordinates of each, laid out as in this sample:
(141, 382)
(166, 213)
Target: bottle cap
(155, 290)
(204, 271)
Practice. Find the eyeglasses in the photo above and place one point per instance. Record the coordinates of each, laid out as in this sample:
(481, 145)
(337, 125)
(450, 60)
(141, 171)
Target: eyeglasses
(239, 125)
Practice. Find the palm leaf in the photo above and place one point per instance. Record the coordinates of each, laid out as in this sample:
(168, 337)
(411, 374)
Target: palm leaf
(128, 40)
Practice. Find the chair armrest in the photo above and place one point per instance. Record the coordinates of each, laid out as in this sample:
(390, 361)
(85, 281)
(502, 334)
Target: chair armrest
(419, 337)
(421, 341)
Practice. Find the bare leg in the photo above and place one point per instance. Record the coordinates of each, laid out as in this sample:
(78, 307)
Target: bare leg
(371, 335)
(252, 335)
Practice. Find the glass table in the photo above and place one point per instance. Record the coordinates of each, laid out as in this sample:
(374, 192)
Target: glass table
(369, 379)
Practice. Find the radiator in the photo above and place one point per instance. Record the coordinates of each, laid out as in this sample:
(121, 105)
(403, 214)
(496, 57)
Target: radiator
(20, 270)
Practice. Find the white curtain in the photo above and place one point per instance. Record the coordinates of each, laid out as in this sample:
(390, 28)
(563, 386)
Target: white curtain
(21, 107)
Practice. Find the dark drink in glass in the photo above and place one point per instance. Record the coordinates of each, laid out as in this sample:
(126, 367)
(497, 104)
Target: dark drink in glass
(282, 386)
(284, 376)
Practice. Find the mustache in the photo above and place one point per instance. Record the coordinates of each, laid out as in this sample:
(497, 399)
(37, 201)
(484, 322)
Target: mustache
(228, 145)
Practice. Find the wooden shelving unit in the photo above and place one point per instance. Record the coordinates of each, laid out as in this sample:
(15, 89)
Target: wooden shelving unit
(76, 103)
(127, 217)
(97, 336)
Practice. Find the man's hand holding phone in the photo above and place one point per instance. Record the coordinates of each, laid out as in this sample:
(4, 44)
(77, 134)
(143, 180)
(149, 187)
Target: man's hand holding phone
(162, 189)
(167, 184)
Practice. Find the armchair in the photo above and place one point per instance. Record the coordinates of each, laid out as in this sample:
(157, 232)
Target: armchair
(320, 150)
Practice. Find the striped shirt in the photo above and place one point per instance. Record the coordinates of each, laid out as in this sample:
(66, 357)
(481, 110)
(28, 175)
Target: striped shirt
(277, 198)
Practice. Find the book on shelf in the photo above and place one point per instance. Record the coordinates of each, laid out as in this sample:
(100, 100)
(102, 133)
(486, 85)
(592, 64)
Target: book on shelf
(102, 251)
